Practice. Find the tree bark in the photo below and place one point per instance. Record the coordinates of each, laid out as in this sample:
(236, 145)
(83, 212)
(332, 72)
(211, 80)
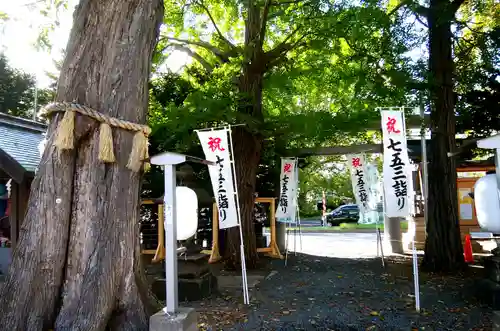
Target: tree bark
(247, 156)
(77, 264)
(247, 144)
(443, 247)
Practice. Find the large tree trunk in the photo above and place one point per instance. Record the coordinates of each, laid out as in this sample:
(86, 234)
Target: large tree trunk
(248, 144)
(247, 156)
(247, 149)
(77, 264)
(443, 247)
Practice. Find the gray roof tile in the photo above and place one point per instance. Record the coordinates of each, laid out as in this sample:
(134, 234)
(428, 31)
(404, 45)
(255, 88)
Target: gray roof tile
(20, 139)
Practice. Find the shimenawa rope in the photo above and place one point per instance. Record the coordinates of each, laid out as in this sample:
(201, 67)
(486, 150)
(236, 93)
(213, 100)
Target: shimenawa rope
(64, 139)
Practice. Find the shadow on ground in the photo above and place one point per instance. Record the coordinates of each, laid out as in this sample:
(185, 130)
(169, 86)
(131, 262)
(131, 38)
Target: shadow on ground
(321, 293)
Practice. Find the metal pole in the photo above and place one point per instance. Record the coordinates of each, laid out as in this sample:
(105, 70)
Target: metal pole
(379, 242)
(323, 217)
(297, 201)
(424, 162)
(171, 284)
(246, 297)
(286, 245)
(300, 228)
(295, 238)
(415, 277)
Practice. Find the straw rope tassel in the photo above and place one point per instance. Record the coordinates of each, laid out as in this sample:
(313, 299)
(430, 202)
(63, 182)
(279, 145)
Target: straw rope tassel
(106, 153)
(139, 151)
(146, 165)
(65, 133)
(65, 138)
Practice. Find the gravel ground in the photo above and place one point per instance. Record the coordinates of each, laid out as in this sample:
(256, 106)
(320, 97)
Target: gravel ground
(317, 293)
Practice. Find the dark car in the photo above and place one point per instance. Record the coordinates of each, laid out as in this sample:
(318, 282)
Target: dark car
(343, 214)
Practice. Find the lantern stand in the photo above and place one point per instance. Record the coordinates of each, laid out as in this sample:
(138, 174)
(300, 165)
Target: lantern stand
(172, 316)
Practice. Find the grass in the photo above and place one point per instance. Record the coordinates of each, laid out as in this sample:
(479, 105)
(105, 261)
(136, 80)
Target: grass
(347, 227)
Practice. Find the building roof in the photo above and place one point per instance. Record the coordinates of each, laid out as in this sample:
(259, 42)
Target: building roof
(20, 139)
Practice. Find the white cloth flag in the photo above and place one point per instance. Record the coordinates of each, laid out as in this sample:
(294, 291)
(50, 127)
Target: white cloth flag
(373, 184)
(216, 148)
(396, 165)
(286, 210)
(359, 179)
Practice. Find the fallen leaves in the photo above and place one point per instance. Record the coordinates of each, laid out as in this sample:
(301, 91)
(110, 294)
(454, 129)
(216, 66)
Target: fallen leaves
(315, 298)
(217, 319)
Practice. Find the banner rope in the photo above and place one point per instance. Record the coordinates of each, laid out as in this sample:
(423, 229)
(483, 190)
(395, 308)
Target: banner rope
(64, 139)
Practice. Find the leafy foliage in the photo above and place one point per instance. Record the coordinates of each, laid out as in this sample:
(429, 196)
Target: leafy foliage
(325, 67)
(479, 111)
(329, 67)
(478, 74)
(17, 90)
(323, 174)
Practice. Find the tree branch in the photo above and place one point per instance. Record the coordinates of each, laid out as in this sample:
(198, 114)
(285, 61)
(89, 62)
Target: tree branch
(395, 9)
(415, 7)
(284, 46)
(205, 8)
(281, 3)
(208, 67)
(224, 57)
(417, 17)
(263, 23)
(272, 62)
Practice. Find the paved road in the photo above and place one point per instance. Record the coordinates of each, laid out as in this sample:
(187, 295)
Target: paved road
(344, 245)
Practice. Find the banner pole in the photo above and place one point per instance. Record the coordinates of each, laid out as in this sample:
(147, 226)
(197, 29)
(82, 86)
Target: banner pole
(300, 228)
(286, 245)
(295, 231)
(413, 248)
(323, 217)
(379, 240)
(295, 238)
(415, 276)
(296, 198)
(246, 298)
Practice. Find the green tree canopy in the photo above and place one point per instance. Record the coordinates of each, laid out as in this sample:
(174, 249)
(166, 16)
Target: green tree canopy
(295, 73)
(17, 91)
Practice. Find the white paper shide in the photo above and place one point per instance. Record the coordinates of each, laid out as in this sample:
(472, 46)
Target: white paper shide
(397, 169)
(286, 210)
(216, 148)
(359, 174)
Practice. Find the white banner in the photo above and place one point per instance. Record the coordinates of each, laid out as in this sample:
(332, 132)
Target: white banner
(373, 184)
(396, 174)
(286, 210)
(216, 148)
(359, 179)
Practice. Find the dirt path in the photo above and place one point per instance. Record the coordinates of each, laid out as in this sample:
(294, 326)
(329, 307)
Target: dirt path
(315, 293)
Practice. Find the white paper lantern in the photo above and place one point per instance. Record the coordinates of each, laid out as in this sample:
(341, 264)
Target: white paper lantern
(487, 203)
(187, 212)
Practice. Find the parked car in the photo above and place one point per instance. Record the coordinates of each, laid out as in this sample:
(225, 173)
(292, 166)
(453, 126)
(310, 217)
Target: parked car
(343, 214)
